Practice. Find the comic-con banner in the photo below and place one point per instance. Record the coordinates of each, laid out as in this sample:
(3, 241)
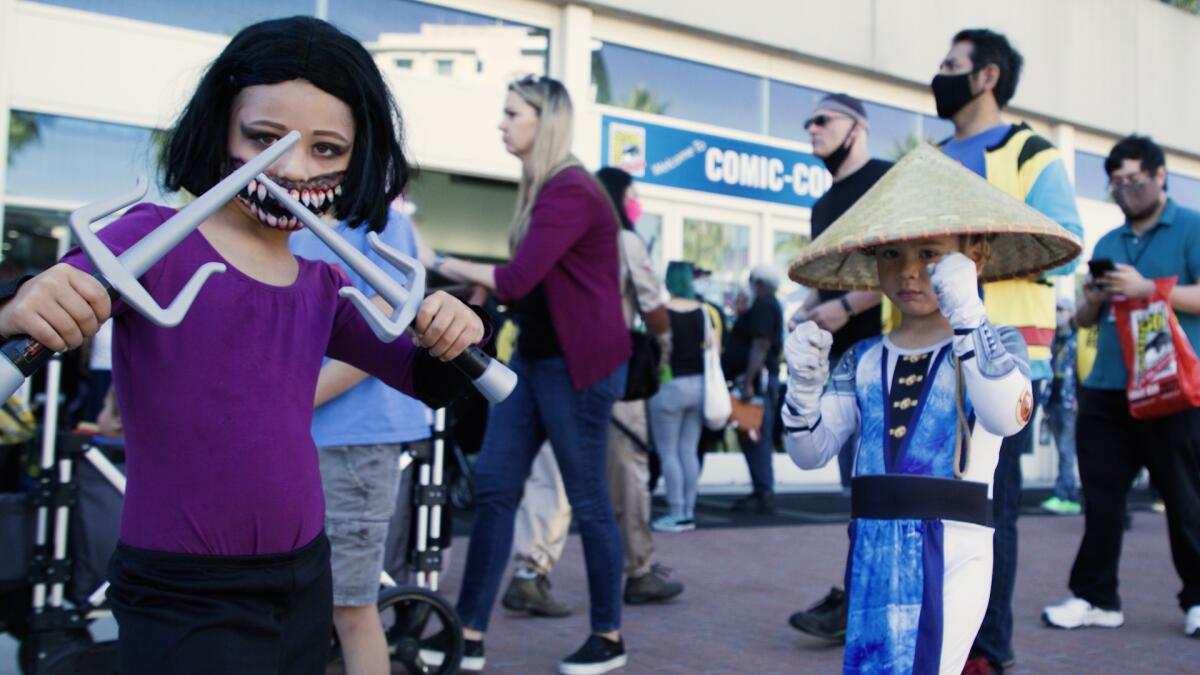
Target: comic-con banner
(680, 158)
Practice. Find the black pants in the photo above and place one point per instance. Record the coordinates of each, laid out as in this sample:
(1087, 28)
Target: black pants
(214, 615)
(1112, 446)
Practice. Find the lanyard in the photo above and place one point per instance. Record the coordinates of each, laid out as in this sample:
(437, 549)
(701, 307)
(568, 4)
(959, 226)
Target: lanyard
(1133, 260)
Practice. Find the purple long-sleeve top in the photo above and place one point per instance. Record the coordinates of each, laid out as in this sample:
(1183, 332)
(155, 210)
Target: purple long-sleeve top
(218, 411)
(571, 250)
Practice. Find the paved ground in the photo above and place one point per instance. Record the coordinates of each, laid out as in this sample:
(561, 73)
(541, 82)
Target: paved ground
(744, 582)
(746, 574)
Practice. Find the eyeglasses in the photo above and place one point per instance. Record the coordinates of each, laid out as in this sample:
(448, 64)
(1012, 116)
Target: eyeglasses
(1117, 182)
(822, 120)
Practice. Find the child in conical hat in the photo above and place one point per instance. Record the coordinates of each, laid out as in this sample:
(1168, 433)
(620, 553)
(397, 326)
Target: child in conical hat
(929, 404)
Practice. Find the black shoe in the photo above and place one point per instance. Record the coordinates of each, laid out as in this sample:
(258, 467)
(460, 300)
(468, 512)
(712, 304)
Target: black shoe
(434, 648)
(597, 655)
(826, 619)
(652, 586)
(533, 596)
(755, 503)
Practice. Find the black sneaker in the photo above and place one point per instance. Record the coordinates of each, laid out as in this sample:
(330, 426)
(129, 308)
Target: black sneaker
(826, 619)
(434, 648)
(597, 655)
(763, 503)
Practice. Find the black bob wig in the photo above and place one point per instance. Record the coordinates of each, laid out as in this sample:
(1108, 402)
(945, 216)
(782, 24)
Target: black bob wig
(281, 50)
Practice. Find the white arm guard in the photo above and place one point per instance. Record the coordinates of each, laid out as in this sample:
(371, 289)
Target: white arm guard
(995, 366)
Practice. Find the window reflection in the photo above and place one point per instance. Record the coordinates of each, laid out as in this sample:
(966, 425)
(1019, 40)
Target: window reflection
(75, 161)
(1184, 189)
(414, 37)
(791, 105)
(724, 250)
(224, 17)
(1091, 182)
(649, 226)
(31, 237)
(665, 85)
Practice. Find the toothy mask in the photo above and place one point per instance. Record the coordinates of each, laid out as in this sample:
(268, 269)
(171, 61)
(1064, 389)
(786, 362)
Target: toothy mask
(318, 194)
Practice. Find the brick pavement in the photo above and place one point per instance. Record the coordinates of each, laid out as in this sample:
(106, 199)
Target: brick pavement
(744, 582)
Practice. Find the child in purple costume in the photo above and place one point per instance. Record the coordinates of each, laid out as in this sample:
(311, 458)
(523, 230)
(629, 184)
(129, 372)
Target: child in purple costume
(222, 565)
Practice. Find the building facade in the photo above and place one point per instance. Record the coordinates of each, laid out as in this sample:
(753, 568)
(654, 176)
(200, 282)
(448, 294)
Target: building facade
(703, 102)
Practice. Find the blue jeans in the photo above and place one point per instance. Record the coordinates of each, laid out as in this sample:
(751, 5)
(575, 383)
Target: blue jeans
(994, 639)
(1062, 425)
(545, 405)
(675, 422)
(759, 455)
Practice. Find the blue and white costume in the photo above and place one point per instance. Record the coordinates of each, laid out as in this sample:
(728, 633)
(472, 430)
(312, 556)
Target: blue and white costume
(919, 571)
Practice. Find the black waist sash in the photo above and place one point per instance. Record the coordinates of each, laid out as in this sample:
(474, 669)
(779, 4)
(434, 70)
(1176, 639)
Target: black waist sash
(902, 497)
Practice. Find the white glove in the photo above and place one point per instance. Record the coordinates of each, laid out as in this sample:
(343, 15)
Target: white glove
(807, 353)
(956, 284)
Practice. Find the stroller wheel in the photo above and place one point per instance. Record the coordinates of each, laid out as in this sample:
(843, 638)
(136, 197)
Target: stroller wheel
(410, 614)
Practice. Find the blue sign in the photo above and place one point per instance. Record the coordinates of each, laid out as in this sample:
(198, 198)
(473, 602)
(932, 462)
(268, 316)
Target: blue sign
(679, 158)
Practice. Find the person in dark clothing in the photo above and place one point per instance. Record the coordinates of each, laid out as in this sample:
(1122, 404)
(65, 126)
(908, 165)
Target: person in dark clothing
(838, 129)
(752, 358)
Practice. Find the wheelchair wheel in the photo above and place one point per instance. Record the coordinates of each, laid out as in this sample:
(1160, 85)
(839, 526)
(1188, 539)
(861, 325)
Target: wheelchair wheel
(410, 614)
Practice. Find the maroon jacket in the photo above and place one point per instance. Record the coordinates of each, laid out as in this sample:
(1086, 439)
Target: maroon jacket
(571, 249)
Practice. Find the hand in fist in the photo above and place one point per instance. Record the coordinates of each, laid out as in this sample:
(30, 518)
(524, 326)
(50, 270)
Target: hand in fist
(807, 353)
(956, 284)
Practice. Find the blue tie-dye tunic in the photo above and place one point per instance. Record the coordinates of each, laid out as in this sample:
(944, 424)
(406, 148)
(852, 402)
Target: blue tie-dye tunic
(895, 569)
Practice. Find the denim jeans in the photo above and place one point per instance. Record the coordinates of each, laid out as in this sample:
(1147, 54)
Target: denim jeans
(675, 422)
(1062, 425)
(995, 635)
(545, 405)
(759, 455)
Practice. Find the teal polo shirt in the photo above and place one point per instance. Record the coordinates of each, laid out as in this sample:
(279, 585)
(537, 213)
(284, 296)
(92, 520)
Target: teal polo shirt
(1170, 248)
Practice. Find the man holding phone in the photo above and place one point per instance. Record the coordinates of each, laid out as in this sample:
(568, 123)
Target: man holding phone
(1159, 239)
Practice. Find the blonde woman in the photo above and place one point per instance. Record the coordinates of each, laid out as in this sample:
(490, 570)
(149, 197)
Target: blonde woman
(563, 287)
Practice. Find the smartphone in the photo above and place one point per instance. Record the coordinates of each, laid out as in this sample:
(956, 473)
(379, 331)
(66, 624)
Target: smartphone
(1099, 267)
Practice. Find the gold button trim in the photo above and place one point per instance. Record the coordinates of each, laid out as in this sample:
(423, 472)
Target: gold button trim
(911, 380)
(898, 432)
(905, 404)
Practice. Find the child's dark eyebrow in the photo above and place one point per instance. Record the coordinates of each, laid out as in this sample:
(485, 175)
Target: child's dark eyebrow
(279, 127)
(334, 134)
(266, 123)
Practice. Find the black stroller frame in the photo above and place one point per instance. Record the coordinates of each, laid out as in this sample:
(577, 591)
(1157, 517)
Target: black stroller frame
(57, 640)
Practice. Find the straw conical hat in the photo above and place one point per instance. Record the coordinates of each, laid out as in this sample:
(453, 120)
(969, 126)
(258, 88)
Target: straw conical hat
(927, 194)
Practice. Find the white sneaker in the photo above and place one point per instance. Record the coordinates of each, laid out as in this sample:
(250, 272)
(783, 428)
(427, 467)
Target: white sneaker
(1191, 627)
(1079, 613)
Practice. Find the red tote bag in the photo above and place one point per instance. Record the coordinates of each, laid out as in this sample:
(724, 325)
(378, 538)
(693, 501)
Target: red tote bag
(1164, 374)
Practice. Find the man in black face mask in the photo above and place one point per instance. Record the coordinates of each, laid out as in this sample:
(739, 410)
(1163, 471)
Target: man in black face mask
(838, 129)
(1159, 239)
(974, 83)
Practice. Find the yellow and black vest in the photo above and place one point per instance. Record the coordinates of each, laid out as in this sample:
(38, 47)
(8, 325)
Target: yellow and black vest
(1014, 165)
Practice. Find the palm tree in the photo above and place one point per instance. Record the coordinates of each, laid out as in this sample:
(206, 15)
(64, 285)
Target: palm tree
(643, 99)
(22, 130)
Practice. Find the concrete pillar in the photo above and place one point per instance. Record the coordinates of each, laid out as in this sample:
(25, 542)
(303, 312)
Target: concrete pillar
(8, 61)
(571, 63)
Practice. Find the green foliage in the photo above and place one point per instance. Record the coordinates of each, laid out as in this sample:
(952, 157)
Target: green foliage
(643, 99)
(704, 243)
(1192, 6)
(910, 142)
(22, 130)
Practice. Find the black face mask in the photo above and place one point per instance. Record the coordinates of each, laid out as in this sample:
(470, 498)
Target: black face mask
(836, 158)
(951, 93)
